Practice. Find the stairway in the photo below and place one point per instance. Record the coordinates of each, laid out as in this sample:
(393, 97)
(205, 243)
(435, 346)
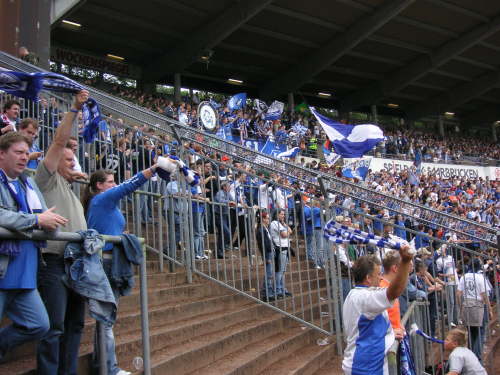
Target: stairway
(205, 328)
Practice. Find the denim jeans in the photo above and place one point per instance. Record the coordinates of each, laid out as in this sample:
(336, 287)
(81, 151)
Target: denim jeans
(58, 350)
(29, 318)
(279, 276)
(451, 306)
(346, 287)
(112, 363)
(223, 233)
(319, 246)
(198, 232)
(174, 233)
(146, 204)
(268, 282)
(310, 251)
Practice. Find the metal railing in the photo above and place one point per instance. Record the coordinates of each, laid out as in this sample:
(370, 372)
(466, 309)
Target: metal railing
(39, 235)
(210, 142)
(187, 226)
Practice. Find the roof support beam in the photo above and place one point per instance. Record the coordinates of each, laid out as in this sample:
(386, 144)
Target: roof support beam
(399, 79)
(484, 115)
(338, 46)
(457, 96)
(206, 37)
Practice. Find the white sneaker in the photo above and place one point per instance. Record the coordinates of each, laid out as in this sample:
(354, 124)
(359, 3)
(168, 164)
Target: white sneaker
(123, 372)
(204, 257)
(198, 257)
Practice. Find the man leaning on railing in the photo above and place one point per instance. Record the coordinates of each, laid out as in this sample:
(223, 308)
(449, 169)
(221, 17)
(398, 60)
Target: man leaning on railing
(22, 209)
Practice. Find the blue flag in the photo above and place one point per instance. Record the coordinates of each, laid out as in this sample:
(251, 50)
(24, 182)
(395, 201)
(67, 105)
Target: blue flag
(274, 111)
(350, 141)
(237, 101)
(357, 168)
(91, 120)
(291, 153)
(418, 160)
(28, 85)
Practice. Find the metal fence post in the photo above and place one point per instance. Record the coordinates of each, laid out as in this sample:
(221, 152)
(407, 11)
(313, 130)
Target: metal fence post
(103, 363)
(160, 232)
(146, 350)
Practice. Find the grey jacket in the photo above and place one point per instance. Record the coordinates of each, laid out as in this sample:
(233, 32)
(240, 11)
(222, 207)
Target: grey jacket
(12, 219)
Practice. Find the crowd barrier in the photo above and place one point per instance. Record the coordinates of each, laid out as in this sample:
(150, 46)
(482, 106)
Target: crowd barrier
(39, 235)
(313, 272)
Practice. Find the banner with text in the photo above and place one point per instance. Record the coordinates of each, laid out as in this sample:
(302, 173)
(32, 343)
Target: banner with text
(444, 171)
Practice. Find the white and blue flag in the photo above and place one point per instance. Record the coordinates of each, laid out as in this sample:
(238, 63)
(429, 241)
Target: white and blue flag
(350, 141)
(237, 101)
(356, 168)
(274, 111)
(291, 153)
(260, 106)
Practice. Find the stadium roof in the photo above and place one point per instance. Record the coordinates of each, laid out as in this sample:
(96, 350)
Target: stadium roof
(426, 57)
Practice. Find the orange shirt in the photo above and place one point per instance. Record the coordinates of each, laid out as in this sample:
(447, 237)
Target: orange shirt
(394, 314)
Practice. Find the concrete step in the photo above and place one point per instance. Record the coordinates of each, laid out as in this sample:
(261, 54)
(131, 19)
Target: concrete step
(158, 296)
(169, 312)
(253, 358)
(307, 359)
(332, 367)
(203, 350)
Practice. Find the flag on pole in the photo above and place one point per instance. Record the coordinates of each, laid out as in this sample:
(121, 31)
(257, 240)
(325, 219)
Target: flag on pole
(356, 168)
(302, 108)
(237, 101)
(291, 153)
(260, 106)
(350, 141)
(330, 156)
(274, 111)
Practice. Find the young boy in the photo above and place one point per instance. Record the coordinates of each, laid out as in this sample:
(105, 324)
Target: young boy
(462, 361)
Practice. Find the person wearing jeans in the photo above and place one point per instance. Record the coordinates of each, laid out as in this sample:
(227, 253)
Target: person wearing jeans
(265, 244)
(280, 234)
(198, 210)
(22, 210)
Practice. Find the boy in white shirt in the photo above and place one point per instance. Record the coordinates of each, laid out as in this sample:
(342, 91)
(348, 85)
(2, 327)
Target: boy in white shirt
(461, 361)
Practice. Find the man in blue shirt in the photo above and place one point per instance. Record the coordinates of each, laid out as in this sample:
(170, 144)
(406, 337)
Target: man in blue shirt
(22, 210)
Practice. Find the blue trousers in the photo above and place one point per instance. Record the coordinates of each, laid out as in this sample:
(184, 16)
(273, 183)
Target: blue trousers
(29, 317)
(112, 363)
(268, 283)
(58, 349)
(280, 274)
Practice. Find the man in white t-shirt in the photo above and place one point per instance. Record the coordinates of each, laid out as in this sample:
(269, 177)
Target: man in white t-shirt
(445, 266)
(367, 327)
(473, 290)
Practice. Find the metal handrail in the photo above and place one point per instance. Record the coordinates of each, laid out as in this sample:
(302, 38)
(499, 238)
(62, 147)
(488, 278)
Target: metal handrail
(304, 175)
(39, 235)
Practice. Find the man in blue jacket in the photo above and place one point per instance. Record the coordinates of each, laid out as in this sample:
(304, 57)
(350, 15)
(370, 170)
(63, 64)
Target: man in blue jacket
(22, 209)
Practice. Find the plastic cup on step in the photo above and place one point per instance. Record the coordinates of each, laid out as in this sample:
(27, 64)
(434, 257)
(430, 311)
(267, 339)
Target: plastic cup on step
(322, 342)
(138, 363)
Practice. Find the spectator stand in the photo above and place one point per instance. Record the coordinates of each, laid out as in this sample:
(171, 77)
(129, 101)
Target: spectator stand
(316, 292)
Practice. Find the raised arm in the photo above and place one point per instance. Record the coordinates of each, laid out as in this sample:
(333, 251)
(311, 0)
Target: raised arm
(398, 285)
(63, 132)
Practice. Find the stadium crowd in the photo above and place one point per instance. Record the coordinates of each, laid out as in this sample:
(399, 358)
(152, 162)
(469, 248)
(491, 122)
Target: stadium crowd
(301, 129)
(228, 194)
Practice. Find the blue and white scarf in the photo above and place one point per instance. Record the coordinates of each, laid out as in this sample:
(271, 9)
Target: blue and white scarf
(32, 205)
(416, 331)
(29, 85)
(192, 178)
(342, 234)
